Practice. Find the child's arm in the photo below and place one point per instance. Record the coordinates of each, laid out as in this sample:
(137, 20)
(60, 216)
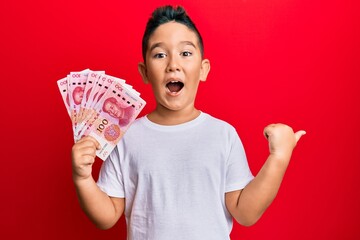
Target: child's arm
(247, 205)
(104, 211)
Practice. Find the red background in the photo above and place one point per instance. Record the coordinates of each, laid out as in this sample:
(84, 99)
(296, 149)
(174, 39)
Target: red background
(295, 62)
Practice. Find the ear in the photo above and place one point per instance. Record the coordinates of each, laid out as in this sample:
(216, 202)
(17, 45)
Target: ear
(143, 72)
(205, 69)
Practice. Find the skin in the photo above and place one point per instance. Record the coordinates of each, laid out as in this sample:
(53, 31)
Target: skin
(102, 210)
(174, 54)
(248, 205)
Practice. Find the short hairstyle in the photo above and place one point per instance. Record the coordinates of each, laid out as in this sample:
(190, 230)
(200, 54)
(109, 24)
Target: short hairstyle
(167, 14)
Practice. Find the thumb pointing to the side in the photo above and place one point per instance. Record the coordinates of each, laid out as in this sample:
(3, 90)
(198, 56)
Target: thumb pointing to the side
(299, 134)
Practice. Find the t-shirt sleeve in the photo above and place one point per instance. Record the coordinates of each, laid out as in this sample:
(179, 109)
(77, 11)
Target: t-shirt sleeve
(110, 177)
(238, 173)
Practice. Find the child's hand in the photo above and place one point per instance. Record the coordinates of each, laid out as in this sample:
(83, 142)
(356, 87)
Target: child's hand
(83, 156)
(282, 139)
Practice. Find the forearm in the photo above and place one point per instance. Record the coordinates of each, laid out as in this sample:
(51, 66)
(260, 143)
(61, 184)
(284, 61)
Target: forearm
(259, 193)
(247, 205)
(97, 205)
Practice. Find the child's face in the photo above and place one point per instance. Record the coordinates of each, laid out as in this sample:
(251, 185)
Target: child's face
(174, 66)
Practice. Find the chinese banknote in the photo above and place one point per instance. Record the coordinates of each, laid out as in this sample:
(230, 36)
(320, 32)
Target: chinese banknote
(99, 105)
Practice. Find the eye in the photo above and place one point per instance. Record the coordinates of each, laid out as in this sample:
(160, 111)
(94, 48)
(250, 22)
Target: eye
(186, 54)
(160, 55)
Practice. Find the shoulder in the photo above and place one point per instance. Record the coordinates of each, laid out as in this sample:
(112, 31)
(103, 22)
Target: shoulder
(218, 123)
(220, 129)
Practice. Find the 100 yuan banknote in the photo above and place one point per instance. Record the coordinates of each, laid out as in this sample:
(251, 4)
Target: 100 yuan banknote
(115, 111)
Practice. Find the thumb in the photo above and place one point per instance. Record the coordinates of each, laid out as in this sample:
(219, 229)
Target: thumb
(97, 145)
(299, 134)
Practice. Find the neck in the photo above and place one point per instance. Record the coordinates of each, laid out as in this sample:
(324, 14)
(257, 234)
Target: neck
(165, 116)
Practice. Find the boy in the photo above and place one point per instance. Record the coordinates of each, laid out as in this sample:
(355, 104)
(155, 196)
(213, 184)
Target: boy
(178, 173)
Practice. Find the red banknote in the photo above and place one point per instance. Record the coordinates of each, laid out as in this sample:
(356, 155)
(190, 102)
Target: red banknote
(101, 106)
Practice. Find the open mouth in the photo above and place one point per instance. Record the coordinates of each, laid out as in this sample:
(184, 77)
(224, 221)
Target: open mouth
(175, 86)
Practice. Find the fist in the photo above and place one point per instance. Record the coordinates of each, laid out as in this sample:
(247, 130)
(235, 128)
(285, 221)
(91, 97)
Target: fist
(83, 156)
(282, 139)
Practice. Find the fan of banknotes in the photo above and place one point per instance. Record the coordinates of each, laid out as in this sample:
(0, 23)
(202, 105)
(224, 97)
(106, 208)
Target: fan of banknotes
(101, 106)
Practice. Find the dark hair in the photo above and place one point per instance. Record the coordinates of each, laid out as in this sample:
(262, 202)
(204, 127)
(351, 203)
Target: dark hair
(167, 14)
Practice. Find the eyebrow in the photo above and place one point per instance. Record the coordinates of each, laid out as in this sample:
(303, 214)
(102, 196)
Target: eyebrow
(159, 44)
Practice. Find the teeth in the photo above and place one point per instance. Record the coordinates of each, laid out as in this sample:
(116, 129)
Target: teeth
(174, 86)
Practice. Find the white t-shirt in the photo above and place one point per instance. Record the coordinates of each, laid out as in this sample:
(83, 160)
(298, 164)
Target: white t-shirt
(174, 178)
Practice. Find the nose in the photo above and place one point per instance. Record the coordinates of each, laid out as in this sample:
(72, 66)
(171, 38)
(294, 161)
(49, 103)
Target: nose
(173, 65)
